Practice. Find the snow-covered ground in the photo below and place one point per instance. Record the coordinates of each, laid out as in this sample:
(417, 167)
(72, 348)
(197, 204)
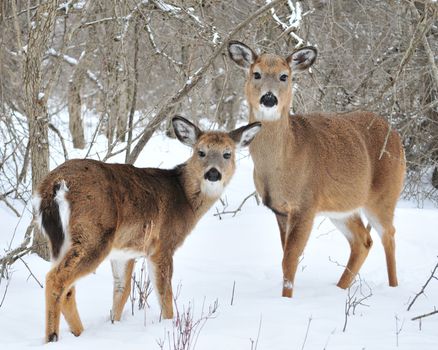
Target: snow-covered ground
(244, 251)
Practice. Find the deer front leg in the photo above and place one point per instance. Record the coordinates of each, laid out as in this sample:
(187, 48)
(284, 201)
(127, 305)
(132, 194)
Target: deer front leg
(161, 270)
(298, 231)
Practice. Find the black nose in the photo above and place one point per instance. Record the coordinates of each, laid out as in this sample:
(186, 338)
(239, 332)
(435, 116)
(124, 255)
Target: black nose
(213, 175)
(268, 99)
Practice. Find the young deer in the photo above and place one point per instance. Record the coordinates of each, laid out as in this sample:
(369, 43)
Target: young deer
(335, 165)
(89, 209)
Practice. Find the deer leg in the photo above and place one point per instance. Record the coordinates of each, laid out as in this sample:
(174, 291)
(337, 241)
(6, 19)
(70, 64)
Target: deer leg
(299, 230)
(161, 270)
(360, 242)
(77, 262)
(389, 246)
(122, 272)
(70, 312)
(381, 221)
(282, 225)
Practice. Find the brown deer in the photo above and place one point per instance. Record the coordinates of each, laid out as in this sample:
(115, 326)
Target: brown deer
(90, 210)
(336, 165)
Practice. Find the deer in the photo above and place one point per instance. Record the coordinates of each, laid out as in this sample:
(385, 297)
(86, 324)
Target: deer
(338, 165)
(91, 210)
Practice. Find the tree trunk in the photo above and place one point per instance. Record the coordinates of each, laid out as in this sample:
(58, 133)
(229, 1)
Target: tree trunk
(74, 109)
(36, 104)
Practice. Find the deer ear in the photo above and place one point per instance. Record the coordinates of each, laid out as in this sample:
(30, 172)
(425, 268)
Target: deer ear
(241, 54)
(302, 59)
(245, 134)
(185, 131)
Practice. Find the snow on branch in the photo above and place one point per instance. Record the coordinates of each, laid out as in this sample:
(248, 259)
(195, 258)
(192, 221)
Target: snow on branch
(179, 13)
(157, 50)
(74, 62)
(294, 22)
(163, 6)
(127, 19)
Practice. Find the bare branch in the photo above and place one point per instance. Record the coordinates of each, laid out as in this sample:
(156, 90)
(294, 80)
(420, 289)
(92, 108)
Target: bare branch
(239, 208)
(434, 312)
(431, 277)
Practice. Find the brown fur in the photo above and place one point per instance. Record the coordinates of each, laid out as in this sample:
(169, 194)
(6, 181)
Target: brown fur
(116, 206)
(320, 162)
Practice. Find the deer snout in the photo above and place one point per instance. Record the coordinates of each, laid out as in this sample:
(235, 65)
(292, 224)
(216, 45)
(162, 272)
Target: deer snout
(213, 175)
(268, 100)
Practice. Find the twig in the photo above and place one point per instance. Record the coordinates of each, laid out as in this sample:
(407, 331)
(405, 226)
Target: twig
(57, 132)
(398, 329)
(432, 276)
(18, 252)
(434, 312)
(31, 273)
(239, 208)
(307, 332)
(6, 289)
(258, 333)
(352, 301)
(9, 205)
(232, 293)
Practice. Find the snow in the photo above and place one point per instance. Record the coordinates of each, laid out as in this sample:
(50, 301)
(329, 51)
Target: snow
(216, 38)
(244, 250)
(163, 6)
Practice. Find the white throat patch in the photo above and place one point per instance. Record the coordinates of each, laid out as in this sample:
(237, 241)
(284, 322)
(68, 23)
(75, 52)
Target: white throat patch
(268, 114)
(212, 189)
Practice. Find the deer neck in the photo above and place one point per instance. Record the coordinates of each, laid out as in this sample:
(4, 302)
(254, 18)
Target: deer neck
(198, 200)
(270, 141)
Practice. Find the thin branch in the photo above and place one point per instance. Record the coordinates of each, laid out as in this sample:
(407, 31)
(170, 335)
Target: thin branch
(9, 205)
(31, 273)
(57, 132)
(432, 276)
(239, 208)
(6, 289)
(157, 50)
(74, 62)
(307, 333)
(13, 255)
(434, 312)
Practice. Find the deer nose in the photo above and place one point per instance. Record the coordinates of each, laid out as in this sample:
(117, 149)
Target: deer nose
(213, 175)
(268, 100)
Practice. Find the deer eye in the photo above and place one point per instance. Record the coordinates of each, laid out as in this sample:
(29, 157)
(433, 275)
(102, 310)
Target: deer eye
(257, 75)
(201, 154)
(283, 77)
(227, 155)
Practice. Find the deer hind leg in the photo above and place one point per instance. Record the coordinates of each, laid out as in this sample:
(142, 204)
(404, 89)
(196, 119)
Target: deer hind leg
(122, 272)
(298, 229)
(161, 270)
(382, 222)
(360, 244)
(78, 261)
(70, 312)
